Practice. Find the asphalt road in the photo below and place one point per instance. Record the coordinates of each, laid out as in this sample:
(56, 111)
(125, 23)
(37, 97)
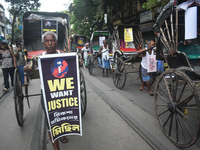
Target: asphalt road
(115, 119)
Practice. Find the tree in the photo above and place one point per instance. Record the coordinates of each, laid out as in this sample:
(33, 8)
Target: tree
(83, 16)
(18, 7)
(88, 15)
(152, 3)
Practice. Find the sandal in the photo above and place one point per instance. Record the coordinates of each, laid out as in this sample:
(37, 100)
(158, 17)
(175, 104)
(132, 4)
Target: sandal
(143, 90)
(151, 93)
(64, 139)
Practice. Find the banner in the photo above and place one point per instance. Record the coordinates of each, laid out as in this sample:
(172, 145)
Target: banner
(191, 23)
(80, 41)
(49, 25)
(59, 75)
(101, 39)
(128, 34)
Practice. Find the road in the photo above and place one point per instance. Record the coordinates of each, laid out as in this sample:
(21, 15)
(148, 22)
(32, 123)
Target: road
(115, 119)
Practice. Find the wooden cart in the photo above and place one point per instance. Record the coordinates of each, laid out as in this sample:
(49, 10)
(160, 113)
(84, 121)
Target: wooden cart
(177, 89)
(32, 45)
(125, 53)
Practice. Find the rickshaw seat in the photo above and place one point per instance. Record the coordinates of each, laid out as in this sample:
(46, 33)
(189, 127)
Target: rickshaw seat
(79, 47)
(191, 51)
(178, 59)
(35, 53)
(128, 49)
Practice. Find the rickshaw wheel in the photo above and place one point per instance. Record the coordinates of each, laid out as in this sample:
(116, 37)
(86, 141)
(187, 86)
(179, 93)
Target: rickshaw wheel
(26, 86)
(152, 75)
(83, 94)
(18, 98)
(177, 107)
(119, 77)
(90, 65)
(114, 64)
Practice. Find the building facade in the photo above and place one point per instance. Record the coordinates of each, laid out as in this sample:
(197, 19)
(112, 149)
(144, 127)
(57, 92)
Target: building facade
(3, 22)
(133, 13)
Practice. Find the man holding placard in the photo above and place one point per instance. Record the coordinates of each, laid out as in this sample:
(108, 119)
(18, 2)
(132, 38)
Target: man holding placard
(60, 91)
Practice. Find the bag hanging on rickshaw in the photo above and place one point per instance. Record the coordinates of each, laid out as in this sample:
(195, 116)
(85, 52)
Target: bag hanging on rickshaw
(151, 62)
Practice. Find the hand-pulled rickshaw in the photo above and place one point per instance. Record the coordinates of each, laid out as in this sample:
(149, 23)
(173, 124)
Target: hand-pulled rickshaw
(33, 28)
(126, 41)
(77, 42)
(96, 41)
(177, 89)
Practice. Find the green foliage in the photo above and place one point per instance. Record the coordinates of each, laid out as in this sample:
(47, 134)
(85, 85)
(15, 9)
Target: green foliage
(149, 4)
(152, 3)
(83, 16)
(17, 8)
(21, 6)
(88, 15)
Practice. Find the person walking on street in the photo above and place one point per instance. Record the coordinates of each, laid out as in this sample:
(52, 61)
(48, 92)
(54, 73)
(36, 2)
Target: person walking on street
(19, 55)
(49, 40)
(146, 76)
(8, 64)
(85, 50)
(104, 50)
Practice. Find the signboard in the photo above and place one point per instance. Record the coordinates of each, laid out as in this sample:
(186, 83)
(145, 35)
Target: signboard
(101, 39)
(128, 34)
(191, 23)
(80, 41)
(59, 75)
(49, 25)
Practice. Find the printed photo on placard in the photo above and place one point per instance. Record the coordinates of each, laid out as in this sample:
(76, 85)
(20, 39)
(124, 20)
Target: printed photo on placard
(49, 25)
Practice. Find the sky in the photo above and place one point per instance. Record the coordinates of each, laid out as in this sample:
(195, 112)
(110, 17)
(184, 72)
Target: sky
(46, 5)
(55, 5)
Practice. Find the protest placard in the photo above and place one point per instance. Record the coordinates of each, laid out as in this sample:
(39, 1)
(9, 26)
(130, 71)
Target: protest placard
(59, 75)
(128, 34)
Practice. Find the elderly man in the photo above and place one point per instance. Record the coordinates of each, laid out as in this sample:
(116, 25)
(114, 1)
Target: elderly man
(145, 75)
(85, 50)
(104, 50)
(49, 40)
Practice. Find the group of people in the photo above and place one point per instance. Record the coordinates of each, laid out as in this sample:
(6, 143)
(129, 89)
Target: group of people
(11, 59)
(103, 57)
(104, 62)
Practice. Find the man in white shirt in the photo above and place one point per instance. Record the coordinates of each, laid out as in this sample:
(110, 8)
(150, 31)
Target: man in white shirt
(85, 50)
(146, 76)
(104, 50)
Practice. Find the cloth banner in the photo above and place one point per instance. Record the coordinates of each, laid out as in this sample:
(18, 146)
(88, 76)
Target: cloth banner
(151, 63)
(60, 83)
(191, 23)
(128, 34)
(101, 38)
